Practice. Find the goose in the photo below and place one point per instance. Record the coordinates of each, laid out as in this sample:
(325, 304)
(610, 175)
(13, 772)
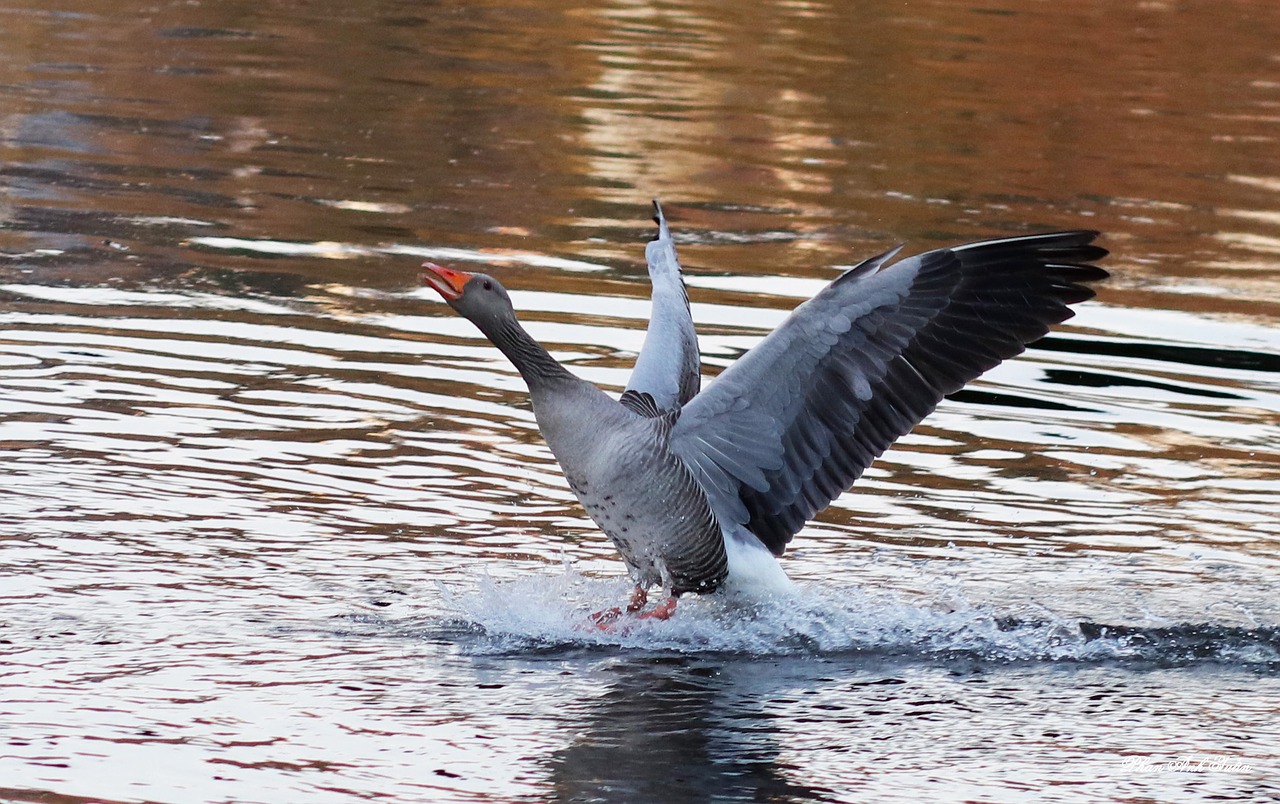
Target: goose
(701, 490)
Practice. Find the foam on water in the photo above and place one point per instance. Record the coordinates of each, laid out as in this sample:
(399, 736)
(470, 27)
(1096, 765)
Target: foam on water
(541, 613)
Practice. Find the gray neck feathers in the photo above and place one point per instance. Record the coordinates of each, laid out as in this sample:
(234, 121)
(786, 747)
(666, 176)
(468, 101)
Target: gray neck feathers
(535, 363)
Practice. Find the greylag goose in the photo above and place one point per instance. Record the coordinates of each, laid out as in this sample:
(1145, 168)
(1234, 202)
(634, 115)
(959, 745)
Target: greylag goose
(702, 490)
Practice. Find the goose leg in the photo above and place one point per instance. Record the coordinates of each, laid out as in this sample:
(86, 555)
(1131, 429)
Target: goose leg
(638, 598)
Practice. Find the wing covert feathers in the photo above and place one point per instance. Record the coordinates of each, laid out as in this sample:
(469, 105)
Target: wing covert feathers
(794, 422)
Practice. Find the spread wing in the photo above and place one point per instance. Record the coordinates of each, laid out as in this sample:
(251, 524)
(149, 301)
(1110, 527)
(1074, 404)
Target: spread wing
(668, 368)
(794, 422)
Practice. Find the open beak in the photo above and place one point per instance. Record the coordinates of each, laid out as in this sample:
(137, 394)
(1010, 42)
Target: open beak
(447, 282)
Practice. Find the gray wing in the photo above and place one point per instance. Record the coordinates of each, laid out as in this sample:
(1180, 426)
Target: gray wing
(668, 368)
(788, 427)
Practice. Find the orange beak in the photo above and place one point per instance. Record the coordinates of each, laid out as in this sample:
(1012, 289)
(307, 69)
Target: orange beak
(447, 282)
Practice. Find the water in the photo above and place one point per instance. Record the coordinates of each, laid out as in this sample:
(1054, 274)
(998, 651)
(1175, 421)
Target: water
(278, 526)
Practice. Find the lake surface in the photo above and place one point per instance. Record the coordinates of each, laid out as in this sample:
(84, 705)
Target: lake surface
(277, 526)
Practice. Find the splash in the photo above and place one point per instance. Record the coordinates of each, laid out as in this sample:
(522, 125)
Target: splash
(552, 613)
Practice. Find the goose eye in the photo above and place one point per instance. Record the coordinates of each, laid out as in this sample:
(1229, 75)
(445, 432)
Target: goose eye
(488, 285)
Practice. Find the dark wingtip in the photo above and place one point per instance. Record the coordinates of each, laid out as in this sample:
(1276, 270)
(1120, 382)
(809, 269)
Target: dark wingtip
(870, 265)
(661, 220)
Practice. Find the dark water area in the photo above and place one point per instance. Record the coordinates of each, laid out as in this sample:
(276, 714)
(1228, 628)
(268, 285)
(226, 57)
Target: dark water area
(276, 525)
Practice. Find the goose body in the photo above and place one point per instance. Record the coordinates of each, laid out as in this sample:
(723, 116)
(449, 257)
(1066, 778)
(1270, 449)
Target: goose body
(620, 465)
(702, 490)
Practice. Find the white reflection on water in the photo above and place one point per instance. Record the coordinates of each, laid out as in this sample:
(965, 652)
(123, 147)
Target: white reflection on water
(343, 251)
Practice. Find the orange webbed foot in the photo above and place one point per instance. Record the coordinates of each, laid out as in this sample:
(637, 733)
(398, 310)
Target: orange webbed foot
(662, 611)
(605, 620)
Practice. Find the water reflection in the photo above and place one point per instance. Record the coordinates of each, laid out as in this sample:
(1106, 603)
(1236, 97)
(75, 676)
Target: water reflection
(671, 731)
(697, 730)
